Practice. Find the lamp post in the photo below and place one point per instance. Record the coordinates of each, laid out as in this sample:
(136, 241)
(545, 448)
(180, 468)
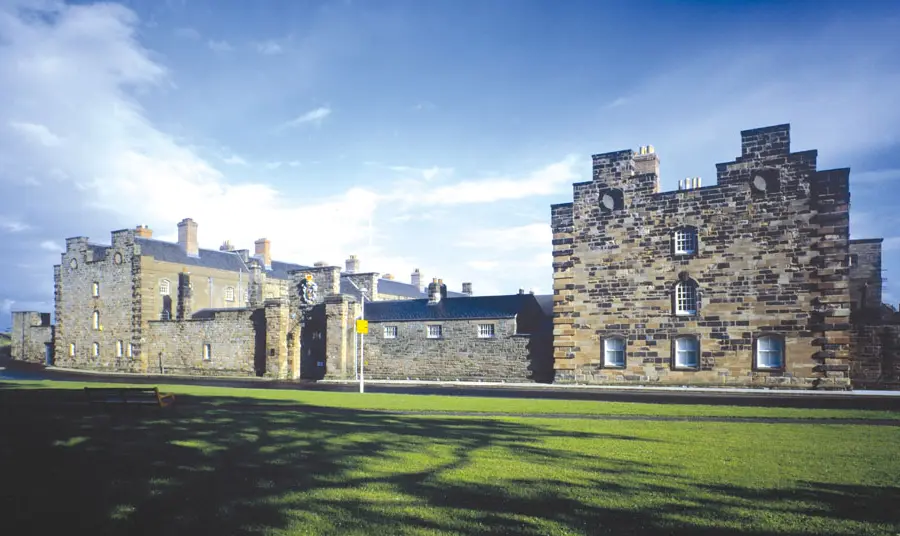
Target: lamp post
(362, 341)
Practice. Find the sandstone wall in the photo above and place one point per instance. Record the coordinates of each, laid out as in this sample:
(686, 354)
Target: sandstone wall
(458, 355)
(31, 336)
(769, 261)
(865, 273)
(177, 347)
(876, 356)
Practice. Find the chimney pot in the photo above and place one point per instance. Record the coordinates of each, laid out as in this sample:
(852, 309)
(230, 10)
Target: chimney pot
(467, 288)
(416, 279)
(187, 237)
(352, 264)
(521, 291)
(143, 231)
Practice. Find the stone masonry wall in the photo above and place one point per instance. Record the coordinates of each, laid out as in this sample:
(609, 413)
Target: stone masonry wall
(876, 356)
(30, 335)
(769, 260)
(865, 273)
(458, 355)
(176, 347)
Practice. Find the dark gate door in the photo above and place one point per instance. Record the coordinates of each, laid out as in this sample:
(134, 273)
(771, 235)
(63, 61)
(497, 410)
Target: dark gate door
(48, 353)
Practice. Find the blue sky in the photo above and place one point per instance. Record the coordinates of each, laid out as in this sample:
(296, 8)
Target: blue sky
(431, 135)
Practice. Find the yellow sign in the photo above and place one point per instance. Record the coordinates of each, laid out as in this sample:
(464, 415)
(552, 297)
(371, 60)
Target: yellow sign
(362, 326)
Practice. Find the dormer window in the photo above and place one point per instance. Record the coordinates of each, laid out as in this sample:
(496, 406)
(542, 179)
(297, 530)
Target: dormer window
(685, 241)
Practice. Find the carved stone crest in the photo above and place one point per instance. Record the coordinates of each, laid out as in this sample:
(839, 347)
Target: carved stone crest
(309, 291)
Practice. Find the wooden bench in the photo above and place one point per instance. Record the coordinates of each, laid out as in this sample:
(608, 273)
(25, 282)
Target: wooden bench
(129, 396)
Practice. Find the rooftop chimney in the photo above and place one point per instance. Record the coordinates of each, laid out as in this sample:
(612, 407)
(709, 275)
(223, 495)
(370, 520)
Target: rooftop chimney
(521, 291)
(143, 231)
(437, 291)
(467, 288)
(320, 264)
(263, 252)
(647, 161)
(388, 276)
(690, 183)
(352, 264)
(187, 237)
(226, 246)
(416, 280)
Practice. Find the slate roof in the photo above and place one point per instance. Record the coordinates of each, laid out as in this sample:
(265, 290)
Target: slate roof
(220, 260)
(469, 307)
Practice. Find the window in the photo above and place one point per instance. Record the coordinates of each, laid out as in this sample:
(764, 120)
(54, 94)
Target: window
(686, 241)
(207, 352)
(95, 289)
(686, 298)
(229, 293)
(390, 332)
(614, 352)
(119, 347)
(129, 351)
(485, 331)
(71, 349)
(852, 260)
(434, 332)
(769, 352)
(164, 287)
(687, 352)
(96, 349)
(165, 315)
(95, 320)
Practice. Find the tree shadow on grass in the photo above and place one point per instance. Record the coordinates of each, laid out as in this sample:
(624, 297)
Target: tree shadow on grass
(228, 466)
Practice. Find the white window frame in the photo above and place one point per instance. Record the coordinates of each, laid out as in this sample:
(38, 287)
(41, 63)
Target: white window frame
(119, 348)
(129, 350)
(686, 298)
(95, 349)
(71, 349)
(390, 332)
(614, 351)
(485, 331)
(684, 346)
(207, 352)
(95, 289)
(95, 320)
(229, 294)
(165, 287)
(686, 241)
(434, 331)
(767, 347)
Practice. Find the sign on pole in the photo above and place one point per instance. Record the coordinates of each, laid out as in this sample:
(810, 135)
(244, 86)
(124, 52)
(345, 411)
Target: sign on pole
(362, 326)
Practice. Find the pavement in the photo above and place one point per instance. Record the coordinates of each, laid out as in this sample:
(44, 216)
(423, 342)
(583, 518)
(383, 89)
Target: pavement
(876, 400)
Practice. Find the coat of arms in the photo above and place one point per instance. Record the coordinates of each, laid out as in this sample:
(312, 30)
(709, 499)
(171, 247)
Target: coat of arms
(308, 290)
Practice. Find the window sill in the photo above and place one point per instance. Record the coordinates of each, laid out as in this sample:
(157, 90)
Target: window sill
(613, 367)
(685, 369)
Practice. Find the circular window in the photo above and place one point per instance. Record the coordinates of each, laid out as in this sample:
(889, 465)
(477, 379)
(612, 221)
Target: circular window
(117, 258)
(73, 263)
(759, 183)
(608, 202)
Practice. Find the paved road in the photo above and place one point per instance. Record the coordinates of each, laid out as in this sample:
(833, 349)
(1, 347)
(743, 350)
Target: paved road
(757, 398)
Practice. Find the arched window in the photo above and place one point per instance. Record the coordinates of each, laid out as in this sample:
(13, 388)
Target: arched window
(71, 349)
(229, 294)
(164, 287)
(686, 352)
(96, 349)
(95, 320)
(95, 289)
(614, 351)
(684, 241)
(130, 350)
(686, 298)
(119, 347)
(769, 352)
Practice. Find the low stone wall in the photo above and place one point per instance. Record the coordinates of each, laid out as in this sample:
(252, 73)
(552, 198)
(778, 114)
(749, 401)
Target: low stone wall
(875, 351)
(458, 355)
(30, 335)
(177, 347)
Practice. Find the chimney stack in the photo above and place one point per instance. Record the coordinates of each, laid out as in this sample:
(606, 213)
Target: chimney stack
(352, 264)
(416, 280)
(142, 231)
(320, 264)
(263, 253)
(187, 237)
(467, 288)
(389, 277)
(437, 291)
(646, 161)
(226, 246)
(521, 291)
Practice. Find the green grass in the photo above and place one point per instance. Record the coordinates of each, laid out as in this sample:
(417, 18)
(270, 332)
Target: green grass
(223, 464)
(395, 402)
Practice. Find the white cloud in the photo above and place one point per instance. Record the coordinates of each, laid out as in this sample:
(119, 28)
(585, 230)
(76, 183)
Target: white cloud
(279, 164)
(76, 72)
(875, 176)
(50, 245)
(269, 48)
(510, 238)
(483, 265)
(234, 160)
(36, 133)
(313, 116)
(219, 46)
(13, 226)
(427, 174)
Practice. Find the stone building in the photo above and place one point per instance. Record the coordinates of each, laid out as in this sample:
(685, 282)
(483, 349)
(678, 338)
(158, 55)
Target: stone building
(745, 282)
(482, 338)
(148, 306)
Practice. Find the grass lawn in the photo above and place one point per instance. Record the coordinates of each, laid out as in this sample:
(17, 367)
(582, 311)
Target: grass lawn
(218, 462)
(394, 402)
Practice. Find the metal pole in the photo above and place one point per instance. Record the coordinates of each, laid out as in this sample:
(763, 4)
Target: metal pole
(362, 343)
